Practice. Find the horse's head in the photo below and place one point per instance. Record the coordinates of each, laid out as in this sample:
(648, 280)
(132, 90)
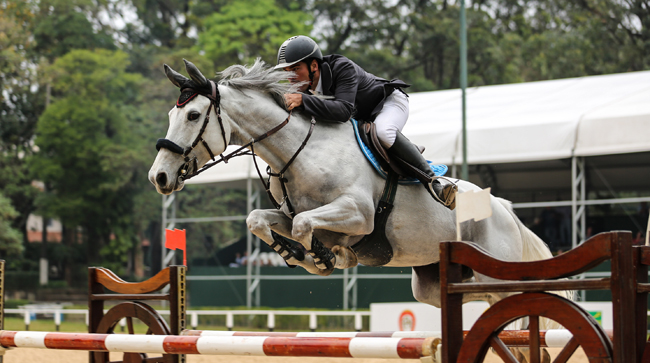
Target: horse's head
(192, 140)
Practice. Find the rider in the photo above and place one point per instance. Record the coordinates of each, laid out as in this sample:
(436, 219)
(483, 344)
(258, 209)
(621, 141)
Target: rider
(357, 92)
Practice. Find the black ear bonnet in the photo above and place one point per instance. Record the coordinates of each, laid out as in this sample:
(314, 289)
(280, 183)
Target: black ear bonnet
(185, 97)
(189, 90)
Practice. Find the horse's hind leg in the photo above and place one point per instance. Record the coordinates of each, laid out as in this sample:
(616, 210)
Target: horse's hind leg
(425, 283)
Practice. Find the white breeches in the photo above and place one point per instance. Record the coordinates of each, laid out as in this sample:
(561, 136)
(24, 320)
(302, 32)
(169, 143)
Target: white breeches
(392, 118)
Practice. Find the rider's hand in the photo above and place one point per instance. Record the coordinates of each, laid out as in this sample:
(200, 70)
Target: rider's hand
(293, 100)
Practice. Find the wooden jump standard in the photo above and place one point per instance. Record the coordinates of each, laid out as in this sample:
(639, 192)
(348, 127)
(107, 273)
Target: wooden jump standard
(628, 284)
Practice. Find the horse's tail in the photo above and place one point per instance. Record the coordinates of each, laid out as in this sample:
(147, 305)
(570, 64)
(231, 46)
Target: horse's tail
(534, 249)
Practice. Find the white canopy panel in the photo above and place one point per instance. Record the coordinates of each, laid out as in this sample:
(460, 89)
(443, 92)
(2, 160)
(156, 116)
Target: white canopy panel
(586, 116)
(545, 120)
(622, 126)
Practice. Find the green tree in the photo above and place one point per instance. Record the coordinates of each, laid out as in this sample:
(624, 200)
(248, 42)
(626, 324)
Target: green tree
(10, 238)
(247, 29)
(87, 154)
(508, 40)
(164, 22)
(20, 106)
(32, 34)
(63, 25)
(615, 34)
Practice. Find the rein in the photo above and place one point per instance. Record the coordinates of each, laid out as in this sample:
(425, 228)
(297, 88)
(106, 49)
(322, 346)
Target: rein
(189, 169)
(280, 175)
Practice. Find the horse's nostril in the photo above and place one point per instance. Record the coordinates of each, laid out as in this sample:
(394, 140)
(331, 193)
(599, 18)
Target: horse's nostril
(161, 179)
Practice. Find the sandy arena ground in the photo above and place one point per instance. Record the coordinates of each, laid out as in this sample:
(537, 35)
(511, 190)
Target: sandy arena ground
(27, 355)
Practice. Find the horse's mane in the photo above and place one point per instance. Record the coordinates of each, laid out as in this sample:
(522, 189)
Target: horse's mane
(259, 77)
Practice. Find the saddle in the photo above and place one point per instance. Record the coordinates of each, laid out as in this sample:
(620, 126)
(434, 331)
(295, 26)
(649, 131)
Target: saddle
(366, 133)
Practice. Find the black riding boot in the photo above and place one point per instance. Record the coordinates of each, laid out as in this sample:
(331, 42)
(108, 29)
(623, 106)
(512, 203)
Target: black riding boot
(418, 168)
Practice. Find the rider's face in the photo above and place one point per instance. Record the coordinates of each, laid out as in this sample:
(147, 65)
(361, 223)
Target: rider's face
(301, 73)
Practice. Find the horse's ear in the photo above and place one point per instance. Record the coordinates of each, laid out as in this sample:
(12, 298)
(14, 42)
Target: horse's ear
(177, 79)
(195, 74)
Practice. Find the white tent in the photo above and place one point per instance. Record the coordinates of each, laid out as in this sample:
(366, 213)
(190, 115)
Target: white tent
(586, 116)
(535, 121)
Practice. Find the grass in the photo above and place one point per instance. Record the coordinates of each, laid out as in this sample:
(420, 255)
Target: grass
(68, 326)
(18, 324)
(76, 323)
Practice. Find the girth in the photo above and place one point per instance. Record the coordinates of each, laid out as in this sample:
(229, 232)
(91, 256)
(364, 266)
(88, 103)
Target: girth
(374, 249)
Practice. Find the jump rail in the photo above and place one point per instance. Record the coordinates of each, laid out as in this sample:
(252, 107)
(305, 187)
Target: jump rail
(553, 338)
(388, 348)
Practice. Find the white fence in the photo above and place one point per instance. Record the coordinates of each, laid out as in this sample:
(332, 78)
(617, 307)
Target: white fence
(57, 314)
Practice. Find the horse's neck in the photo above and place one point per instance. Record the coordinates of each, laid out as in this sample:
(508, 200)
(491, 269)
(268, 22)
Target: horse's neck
(253, 114)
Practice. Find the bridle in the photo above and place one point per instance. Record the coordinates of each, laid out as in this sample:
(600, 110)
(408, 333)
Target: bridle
(190, 169)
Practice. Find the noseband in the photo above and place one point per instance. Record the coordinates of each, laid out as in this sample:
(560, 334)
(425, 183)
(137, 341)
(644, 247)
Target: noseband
(190, 169)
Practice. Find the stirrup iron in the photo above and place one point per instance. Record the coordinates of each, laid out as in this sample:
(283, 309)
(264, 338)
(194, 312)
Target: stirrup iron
(447, 195)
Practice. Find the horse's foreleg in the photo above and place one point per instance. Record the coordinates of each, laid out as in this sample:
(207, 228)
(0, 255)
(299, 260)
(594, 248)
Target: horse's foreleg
(263, 223)
(346, 216)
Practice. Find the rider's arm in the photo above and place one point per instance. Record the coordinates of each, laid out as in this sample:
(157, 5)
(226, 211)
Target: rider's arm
(339, 109)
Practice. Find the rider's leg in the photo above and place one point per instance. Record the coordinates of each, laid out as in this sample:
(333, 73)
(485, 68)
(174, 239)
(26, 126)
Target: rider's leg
(392, 118)
(404, 149)
(389, 122)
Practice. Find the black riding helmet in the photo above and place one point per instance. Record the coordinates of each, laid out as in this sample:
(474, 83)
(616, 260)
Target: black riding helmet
(296, 49)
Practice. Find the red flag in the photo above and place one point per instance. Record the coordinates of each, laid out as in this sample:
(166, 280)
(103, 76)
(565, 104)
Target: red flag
(176, 240)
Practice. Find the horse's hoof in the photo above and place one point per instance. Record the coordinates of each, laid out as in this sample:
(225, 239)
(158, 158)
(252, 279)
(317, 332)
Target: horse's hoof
(325, 272)
(345, 257)
(324, 264)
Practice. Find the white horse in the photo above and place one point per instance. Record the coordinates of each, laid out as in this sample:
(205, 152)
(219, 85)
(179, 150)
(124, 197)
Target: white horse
(328, 190)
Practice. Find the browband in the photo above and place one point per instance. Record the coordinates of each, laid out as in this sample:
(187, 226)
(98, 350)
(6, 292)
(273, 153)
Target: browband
(185, 97)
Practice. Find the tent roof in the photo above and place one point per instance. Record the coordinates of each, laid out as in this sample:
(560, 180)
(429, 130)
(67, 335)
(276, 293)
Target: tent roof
(545, 120)
(535, 121)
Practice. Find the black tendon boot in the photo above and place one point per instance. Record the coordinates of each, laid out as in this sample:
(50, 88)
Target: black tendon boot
(418, 168)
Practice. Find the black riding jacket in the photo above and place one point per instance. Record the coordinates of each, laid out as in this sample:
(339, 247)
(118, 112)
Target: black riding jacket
(356, 92)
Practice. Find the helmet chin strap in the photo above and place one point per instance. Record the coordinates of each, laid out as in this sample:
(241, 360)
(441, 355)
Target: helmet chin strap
(311, 75)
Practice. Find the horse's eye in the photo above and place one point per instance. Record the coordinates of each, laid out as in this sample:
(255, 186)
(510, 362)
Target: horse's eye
(193, 115)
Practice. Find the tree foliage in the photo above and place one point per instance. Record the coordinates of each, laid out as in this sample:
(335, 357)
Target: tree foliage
(508, 40)
(247, 29)
(20, 107)
(64, 25)
(10, 238)
(87, 154)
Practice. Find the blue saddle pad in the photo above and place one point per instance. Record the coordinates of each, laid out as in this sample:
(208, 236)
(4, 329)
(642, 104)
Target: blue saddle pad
(437, 169)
